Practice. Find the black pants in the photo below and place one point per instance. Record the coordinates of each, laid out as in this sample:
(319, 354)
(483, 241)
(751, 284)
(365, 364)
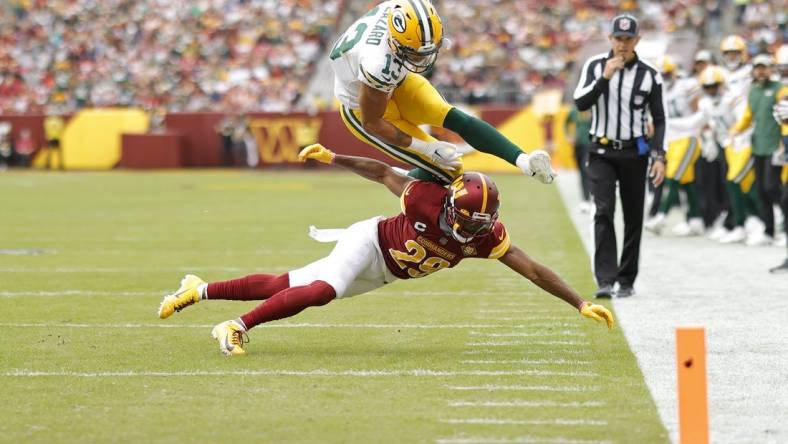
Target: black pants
(628, 169)
(767, 182)
(712, 197)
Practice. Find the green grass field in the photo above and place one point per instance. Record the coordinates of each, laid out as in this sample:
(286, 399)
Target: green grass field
(472, 354)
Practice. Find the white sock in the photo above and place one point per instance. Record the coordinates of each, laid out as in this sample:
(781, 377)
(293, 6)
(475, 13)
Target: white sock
(202, 290)
(522, 163)
(241, 323)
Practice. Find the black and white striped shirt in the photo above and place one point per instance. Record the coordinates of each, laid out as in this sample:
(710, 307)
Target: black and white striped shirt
(620, 106)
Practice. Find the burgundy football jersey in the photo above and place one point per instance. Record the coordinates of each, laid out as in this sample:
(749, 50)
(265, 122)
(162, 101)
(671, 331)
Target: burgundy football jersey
(413, 244)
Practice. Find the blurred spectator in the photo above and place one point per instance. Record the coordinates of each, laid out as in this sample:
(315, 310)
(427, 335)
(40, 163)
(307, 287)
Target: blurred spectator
(503, 51)
(6, 148)
(53, 129)
(184, 56)
(762, 24)
(24, 147)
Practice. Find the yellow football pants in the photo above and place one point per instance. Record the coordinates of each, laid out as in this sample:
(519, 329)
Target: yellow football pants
(740, 167)
(415, 102)
(681, 157)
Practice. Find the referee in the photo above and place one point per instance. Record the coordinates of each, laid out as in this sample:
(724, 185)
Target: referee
(622, 91)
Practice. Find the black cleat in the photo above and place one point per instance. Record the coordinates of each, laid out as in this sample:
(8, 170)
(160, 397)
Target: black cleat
(780, 269)
(625, 291)
(604, 292)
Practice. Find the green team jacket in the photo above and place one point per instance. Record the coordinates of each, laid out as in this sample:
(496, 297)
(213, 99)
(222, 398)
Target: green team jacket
(760, 102)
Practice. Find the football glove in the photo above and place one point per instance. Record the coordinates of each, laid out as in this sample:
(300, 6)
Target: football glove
(780, 111)
(318, 152)
(538, 165)
(443, 154)
(598, 313)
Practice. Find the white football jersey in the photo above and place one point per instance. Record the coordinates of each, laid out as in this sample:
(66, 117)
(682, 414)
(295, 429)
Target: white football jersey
(679, 96)
(715, 112)
(362, 55)
(737, 85)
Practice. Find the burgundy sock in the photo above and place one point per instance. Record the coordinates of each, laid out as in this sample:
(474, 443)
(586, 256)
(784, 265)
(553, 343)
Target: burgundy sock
(290, 302)
(249, 288)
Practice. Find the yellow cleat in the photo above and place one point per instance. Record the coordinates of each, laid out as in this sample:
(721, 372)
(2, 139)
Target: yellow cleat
(231, 337)
(186, 295)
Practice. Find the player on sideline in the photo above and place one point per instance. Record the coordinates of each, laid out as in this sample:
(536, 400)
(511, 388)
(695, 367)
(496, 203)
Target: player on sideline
(438, 227)
(377, 64)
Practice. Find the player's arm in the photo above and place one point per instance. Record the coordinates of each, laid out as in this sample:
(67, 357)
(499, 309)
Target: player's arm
(371, 169)
(744, 122)
(550, 282)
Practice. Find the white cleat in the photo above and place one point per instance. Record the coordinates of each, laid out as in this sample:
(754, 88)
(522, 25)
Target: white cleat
(759, 239)
(655, 224)
(738, 234)
(694, 227)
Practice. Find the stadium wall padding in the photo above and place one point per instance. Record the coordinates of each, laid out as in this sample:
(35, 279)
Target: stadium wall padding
(191, 139)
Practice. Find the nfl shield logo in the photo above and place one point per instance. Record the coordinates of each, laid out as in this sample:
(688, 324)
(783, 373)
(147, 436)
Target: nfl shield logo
(624, 25)
(468, 250)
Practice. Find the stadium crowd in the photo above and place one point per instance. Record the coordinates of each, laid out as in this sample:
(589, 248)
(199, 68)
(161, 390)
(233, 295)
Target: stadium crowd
(61, 55)
(505, 51)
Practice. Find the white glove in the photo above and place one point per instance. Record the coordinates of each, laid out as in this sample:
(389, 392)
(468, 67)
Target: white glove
(780, 111)
(443, 154)
(537, 164)
(709, 149)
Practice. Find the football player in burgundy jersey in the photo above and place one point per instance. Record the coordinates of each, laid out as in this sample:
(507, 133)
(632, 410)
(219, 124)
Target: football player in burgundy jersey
(438, 227)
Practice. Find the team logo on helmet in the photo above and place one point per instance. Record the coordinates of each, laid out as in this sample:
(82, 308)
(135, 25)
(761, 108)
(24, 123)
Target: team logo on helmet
(398, 20)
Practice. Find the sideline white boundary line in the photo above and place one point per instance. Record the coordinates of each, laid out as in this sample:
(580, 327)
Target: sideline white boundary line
(26, 373)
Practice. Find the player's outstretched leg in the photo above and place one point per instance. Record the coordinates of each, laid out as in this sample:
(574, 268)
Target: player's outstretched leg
(284, 304)
(255, 287)
(187, 294)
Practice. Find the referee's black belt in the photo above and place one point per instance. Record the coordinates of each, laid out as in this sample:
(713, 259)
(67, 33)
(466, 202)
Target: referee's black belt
(614, 144)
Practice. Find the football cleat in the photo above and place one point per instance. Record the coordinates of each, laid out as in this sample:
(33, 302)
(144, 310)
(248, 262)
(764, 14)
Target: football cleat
(186, 295)
(231, 337)
(655, 224)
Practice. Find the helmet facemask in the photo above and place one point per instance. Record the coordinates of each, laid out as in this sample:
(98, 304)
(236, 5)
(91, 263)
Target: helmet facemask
(465, 226)
(414, 60)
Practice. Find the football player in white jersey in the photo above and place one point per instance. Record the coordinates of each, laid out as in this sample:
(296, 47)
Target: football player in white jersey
(714, 110)
(377, 64)
(683, 151)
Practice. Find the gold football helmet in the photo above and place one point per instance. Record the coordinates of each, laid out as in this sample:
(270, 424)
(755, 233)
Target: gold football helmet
(416, 33)
(734, 51)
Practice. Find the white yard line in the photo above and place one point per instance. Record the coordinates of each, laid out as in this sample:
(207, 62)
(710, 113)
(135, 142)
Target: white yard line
(528, 403)
(510, 343)
(197, 270)
(744, 309)
(290, 325)
(522, 352)
(517, 334)
(525, 361)
(26, 373)
(525, 439)
(525, 388)
(505, 421)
